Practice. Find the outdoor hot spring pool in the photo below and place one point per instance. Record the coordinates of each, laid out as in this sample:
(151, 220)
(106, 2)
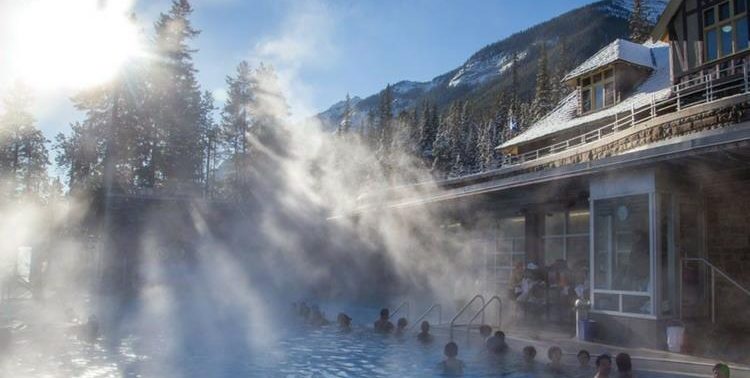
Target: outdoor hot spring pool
(219, 348)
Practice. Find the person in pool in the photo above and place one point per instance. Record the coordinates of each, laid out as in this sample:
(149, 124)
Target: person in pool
(451, 365)
(317, 318)
(401, 326)
(383, 325)
(344, 322)
(624, 366)
(603, 366)
(721, 371)
(496, 344)
(584, 357)
(529, 353)
(485, 331)
(555, 358)
(424, 336)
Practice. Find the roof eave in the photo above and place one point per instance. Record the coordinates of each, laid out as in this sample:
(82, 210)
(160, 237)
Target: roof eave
(660, 29)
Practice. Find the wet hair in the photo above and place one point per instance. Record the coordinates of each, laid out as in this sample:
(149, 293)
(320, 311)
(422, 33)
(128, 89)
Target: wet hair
(402, 322)
(529, 351)
(552, 350)
(451, 349)
(485, 330)
(425, 326)
(384, 312)
(623, 362)
(583, 352)
(601, 357)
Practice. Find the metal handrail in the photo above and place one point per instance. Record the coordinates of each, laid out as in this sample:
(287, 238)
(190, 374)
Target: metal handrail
(703, 85)
(402, 305)
(426, 313)
(482, 310)
(715, 270)
(463, 309)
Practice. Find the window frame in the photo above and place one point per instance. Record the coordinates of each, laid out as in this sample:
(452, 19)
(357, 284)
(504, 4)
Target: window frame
(566, 235)
(604, 78)
(716, 27)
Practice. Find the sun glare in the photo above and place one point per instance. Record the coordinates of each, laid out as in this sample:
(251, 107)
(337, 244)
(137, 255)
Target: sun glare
(72, 44)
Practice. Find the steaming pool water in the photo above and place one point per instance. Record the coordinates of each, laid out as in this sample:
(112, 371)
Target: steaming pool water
(220, 348)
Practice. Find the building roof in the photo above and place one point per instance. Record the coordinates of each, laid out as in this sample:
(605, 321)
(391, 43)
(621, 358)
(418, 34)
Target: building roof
(618, 50)
(660, 30)
(564, 116)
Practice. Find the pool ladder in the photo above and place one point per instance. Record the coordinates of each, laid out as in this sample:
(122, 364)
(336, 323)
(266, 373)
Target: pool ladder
(479, 313)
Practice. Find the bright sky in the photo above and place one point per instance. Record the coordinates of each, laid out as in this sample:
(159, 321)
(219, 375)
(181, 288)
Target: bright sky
(321, 48)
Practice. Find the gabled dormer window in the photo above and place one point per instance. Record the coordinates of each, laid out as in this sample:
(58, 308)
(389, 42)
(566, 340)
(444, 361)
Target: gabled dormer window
(597, 90)
(725, 30)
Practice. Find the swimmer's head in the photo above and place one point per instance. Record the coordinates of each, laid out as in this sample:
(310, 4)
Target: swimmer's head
(451, 349)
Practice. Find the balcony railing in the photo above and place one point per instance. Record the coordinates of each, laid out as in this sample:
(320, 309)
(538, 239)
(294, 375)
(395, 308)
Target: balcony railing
(717, 84)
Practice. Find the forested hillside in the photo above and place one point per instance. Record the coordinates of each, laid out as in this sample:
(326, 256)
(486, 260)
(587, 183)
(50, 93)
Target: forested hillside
(454, 121)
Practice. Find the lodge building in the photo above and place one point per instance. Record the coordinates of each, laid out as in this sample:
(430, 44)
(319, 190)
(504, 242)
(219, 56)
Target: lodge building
(638, 181)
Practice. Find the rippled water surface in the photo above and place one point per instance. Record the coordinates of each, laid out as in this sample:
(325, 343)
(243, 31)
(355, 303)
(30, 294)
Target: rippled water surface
(221, 348)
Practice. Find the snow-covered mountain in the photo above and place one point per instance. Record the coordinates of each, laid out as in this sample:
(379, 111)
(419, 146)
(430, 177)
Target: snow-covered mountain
(485, 75)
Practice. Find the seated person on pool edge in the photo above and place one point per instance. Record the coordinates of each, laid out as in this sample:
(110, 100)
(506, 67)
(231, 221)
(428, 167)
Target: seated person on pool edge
(496, 344)
(451, 364)
(383, 325)
(424, 336)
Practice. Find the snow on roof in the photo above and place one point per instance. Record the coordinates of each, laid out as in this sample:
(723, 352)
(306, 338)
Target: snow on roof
(564, 116)
(619, 49)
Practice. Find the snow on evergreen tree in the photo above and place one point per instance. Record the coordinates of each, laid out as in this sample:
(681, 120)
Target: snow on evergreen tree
(639, 24)
(486, 146)
(384, 125)
(23, 151)
(543, 99)
(346, 119)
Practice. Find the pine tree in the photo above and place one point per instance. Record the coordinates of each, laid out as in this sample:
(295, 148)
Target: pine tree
(543, 101)
(639, 25)
(210, 141)
(235, 126)
(23, 154)
(385, 122)
(178, 96)
(486, 146)
(346, 119)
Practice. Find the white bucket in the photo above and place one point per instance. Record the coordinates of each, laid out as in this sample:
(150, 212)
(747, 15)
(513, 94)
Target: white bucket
(675, 336)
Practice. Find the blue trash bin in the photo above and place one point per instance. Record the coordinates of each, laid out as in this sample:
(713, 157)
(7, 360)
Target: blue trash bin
(588, 329)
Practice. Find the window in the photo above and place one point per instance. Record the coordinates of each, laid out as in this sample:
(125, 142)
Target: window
(622, 255)
(566, 237)
(510, 249)
(597, 91)
(725, 29)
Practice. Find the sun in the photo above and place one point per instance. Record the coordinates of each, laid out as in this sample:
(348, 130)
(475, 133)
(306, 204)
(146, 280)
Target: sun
(71, 44)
